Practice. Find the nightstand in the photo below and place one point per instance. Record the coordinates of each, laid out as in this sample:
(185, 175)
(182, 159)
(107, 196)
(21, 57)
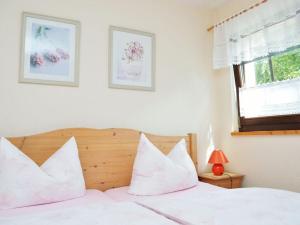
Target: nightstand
(227, 180)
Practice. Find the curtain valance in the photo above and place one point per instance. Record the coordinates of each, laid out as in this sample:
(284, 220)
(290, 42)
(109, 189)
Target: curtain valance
(271, 27)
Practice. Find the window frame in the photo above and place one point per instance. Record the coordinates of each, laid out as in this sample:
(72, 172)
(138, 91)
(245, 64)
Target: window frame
(268, 123)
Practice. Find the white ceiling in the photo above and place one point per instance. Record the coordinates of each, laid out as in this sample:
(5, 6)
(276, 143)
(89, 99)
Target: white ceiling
(206, 3)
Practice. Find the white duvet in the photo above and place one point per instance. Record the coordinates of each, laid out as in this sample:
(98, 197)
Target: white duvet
(245, 206)
(89, 210)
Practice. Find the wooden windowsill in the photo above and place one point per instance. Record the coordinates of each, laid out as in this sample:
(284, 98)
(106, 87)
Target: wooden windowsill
(273, 132)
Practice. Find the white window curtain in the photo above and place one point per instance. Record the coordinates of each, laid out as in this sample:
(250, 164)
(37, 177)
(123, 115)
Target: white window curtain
(277, 98)
(273, 26)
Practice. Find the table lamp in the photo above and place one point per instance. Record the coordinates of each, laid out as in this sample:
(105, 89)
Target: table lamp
(218, 158)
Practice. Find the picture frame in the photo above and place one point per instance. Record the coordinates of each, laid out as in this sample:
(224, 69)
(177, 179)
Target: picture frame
(49, 50)
(131, 59)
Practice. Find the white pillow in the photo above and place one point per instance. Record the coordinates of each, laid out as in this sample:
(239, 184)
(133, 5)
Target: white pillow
(155, 173)
(24, 183)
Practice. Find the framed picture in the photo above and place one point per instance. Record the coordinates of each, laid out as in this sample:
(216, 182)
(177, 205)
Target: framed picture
(132, 59)
(50, 50)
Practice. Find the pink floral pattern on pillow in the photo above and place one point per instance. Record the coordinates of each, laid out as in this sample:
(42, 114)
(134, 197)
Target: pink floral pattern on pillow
(155, 173)
(24, 183)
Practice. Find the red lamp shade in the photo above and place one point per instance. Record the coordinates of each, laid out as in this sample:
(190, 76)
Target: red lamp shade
(218, 158)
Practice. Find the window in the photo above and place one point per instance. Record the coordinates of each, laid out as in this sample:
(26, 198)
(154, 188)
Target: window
(268, 91)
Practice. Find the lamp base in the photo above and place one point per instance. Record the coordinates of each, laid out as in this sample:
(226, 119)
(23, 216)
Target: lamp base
(218, 169)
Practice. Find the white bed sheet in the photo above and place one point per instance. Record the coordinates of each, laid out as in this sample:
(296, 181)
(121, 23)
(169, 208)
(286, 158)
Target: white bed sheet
(121, 194)
(210, 205)
(94, 208)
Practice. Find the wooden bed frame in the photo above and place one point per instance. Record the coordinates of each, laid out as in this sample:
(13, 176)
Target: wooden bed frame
(106, 155)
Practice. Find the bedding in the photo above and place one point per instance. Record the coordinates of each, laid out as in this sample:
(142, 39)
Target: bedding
(152, 167)
(92, 209)
(206, 204)
(244, 206)
(121, 194)
(24, 183)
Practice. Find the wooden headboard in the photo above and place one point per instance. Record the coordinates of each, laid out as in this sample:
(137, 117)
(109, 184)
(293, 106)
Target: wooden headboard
(106, 155)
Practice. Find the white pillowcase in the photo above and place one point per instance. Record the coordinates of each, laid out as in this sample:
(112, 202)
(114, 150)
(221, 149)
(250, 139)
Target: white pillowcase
(155, 173)
(24, 183)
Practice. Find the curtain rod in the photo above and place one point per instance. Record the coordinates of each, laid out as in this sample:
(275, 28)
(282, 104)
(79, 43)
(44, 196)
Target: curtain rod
(238, 14)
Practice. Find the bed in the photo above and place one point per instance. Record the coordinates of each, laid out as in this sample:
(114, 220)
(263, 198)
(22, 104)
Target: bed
(94, 208)
(206, 204)
(203, 203)
(107, 158)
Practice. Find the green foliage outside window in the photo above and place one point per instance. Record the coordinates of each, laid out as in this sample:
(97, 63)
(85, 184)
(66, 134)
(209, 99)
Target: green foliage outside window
(285, 66)
(262, 72)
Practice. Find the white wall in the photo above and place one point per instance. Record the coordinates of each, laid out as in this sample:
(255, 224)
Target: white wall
(268, 161)
(188, 97)
(180, 104)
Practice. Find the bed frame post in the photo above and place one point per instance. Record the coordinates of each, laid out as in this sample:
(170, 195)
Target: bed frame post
(193, 148)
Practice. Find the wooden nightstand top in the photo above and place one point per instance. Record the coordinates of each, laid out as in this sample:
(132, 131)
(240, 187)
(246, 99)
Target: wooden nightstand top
(226, 175)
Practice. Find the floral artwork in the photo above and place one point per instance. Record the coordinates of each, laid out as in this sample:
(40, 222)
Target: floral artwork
(134, 52)
(131, 60)
(49, 53)
(49, 50)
